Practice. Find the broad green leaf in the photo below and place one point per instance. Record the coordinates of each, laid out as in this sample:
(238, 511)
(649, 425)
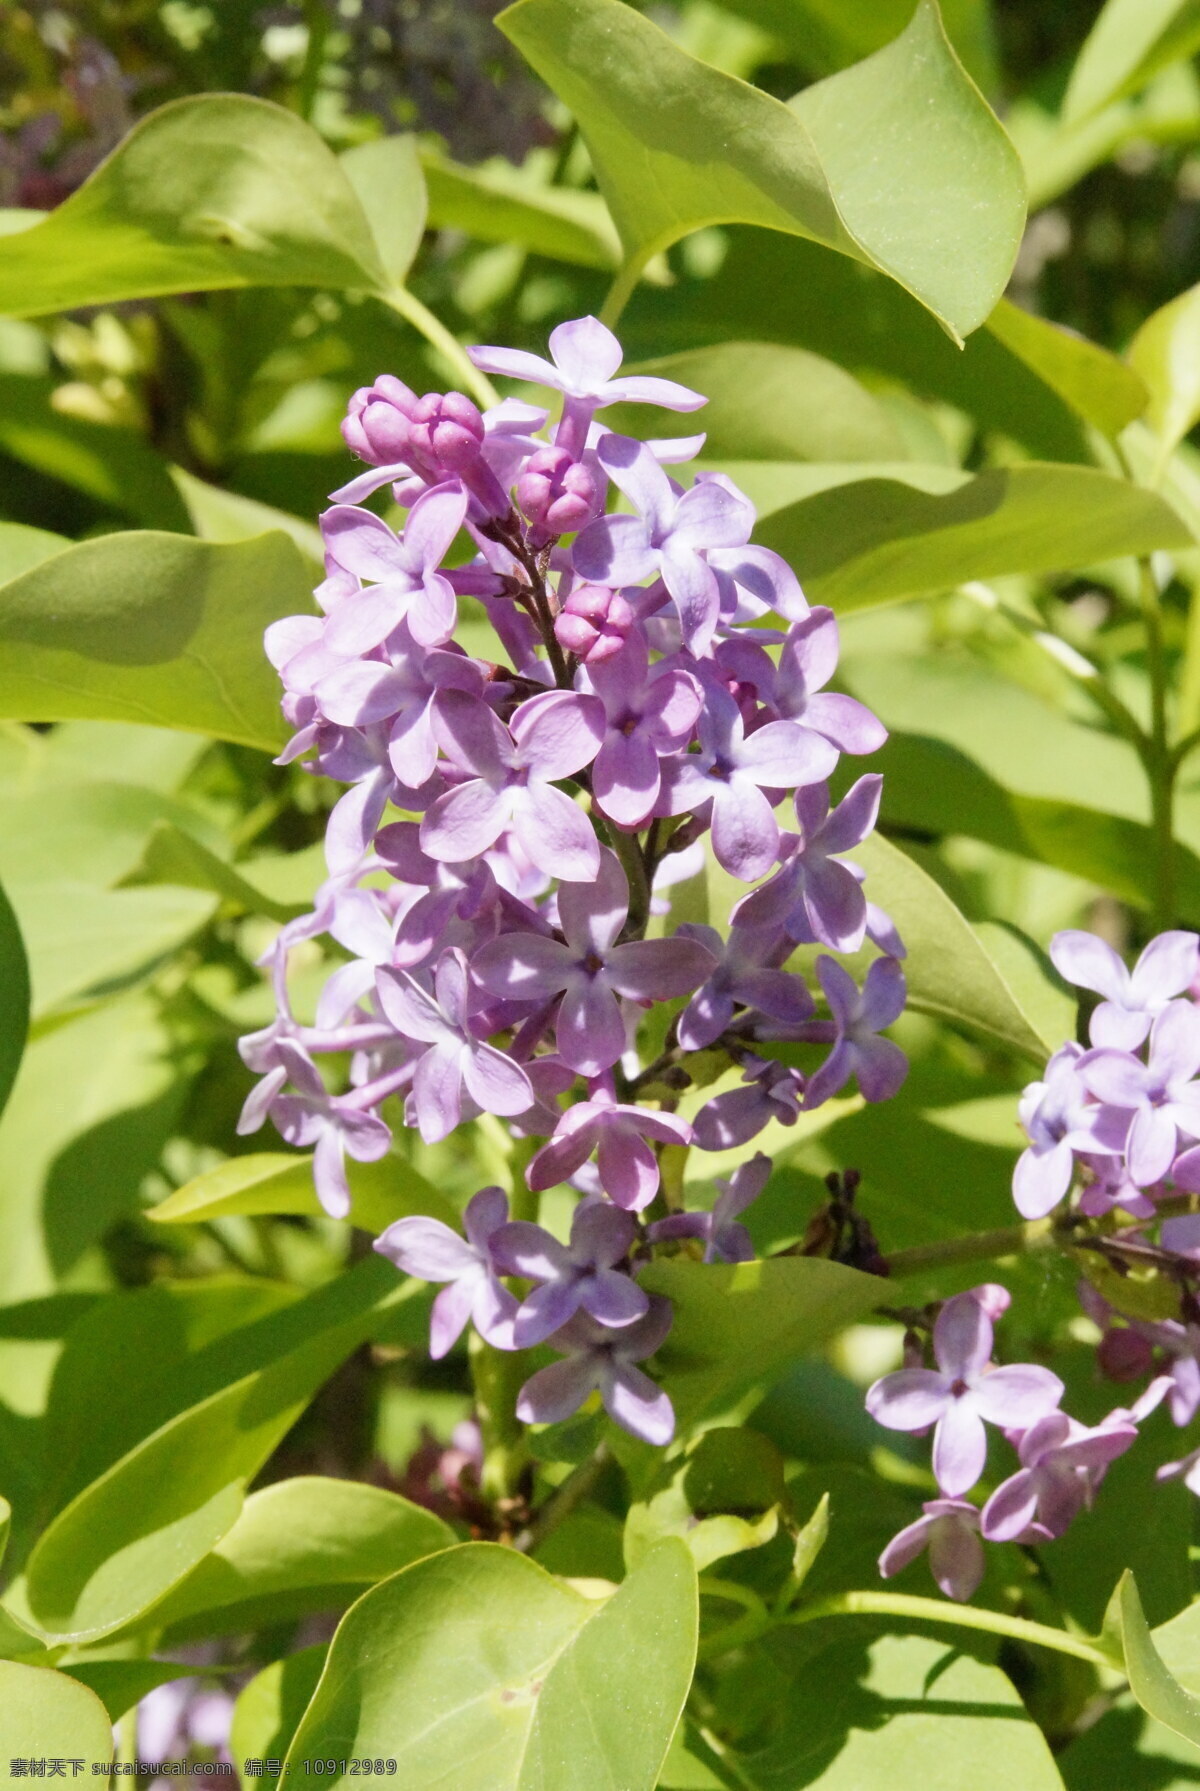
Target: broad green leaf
(220, 515)
(498, 203)
(737, 1326)
(1127, 1750)
(824, 35)
(1152, 1683)
(386, 175)
(115, 466)
(48, 1715)
(1042, 995)
(272, 1182)
(14, 998)
(85, 942)
(930, 190)
(301, 1545)
(1166, 353)
(1098, 385)
(269, 1709)
(174, 856)
(217, 191)
(949, 969)
(120, 1684)
(899, 1713)
(154, 628)
(1129, 42)
(877, 541)
(135, 1532)
(722, 1498)
(477, 1669)
(776, 404)
(22, 548)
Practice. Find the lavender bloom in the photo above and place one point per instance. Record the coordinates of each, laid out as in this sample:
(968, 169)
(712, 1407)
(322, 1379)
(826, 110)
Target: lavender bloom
(813, 895)
(400, 691)
(807, 662)
(772, 1091)
(336, 1128)
(601, 1360)
(589, 970)
(432, 1252)
(627, 1167)
(1162, 1095)
(1059, 1120)
(579, 1276)
(550, 736)
(585, 356)
(961, 1394)
(745, 975)
(1187, 1470)
(724, 1239)
(879, 1065)
(1132, 998)
(456, 1059)
(1062, 1463)
(949, 1529)
(649, 714)
(733, 770)
(408, 585)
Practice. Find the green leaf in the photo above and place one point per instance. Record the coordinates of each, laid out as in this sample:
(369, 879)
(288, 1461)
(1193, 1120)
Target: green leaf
(1098, 386)
(824, 35)
(271, 1182)
(950, 970)
(876, 541)
(498, 203)
(771, 403)
(930, 191)
(737, 1326)
(134, 1533)
(269, 1709)
(475, 1668)
(220, 515)
(810, 1540)
(22, 548)
(47, 1715)
(301, 1545)
(216, 191)
(721, 1499)
(174, 856)
(1129, 42)
(386, 175)
(1166, 353)
(1153, 1685)
(153, 628)
(14, 998)
(120, 1684)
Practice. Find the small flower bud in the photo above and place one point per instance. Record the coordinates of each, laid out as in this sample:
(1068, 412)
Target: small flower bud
(558, 493)
(377, 421)
(594, 623)
(447, 430)
(1124, 1355)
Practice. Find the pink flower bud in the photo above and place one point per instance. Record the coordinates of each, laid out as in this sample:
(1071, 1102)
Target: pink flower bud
(447, 430)
(558, 493)
(594, 623)
(377, 422)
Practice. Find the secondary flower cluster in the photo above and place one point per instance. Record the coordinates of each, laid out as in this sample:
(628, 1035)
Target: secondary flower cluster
(1062, 1462)
(513, 823)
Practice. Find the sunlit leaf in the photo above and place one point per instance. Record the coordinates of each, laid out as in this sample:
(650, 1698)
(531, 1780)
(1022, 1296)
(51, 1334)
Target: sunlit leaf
(48, 1715)
(1129, 42)
(270, 1182)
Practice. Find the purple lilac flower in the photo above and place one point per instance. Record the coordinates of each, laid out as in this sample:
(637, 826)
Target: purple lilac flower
(1187, 1470)
(1162, 1095)
(1062, 1463)
(618, 1134)
(513, 783)
(455, 1060)
(1132, 998)
(771, 1091)
(334, 1127)
(814, 895)
(432, 1252)
(1059, 1119)
(601, 1360)
(724, 1239)
(949, 1529)
(407, 585)
(746, 975)
(961, 1394)
(574, 1277)
(734, 770)
(590, 971)
(879, 1065)
(650, 713)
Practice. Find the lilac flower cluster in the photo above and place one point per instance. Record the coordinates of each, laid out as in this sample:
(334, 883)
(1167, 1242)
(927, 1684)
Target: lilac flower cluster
(1062, 1462)
(510, 827)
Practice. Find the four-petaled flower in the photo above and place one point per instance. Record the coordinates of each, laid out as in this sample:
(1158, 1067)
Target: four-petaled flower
(1162, 1095)
(1062, 1463)
(859, 1016)
(407, 583)
(579, 1276)
(1131, 998)
(432, 1252)
(601, 1360)
(949, 1529)
(618, 1133)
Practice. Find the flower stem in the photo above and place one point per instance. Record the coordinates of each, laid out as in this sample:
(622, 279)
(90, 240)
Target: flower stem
(978, 1246)
(408, 306)
(565, 1499)
(964, 1616)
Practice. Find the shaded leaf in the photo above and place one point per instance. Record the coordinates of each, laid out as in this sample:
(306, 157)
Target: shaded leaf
(174, 856)
(154, 628)
(120, 1684)
(677, 145)
(216, 191)
(1100, 387)
(14, 998)
(269, 1709)
(1152, 1683)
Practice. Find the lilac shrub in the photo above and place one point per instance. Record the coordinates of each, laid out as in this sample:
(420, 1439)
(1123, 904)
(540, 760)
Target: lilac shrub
(511, 826)
(1113, 1133)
